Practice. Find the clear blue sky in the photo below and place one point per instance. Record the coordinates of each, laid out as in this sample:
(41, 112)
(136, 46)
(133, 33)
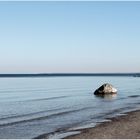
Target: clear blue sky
(49, 37)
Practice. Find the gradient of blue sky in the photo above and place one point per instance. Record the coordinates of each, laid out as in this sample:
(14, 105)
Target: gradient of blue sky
(38, 37)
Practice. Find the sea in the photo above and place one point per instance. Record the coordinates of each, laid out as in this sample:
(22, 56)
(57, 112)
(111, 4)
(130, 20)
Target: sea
(61, 106)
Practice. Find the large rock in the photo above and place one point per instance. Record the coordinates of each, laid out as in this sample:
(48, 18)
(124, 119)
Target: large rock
(105, 89)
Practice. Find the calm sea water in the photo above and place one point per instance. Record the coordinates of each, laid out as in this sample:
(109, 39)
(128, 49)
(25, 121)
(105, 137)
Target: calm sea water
(58, 106)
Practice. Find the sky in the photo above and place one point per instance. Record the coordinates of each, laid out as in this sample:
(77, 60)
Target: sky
(69, 37)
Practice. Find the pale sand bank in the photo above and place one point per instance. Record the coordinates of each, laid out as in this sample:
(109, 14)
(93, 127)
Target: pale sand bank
(123, 127)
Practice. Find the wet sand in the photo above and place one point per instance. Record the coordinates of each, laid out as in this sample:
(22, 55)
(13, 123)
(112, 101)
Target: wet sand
(123, 127)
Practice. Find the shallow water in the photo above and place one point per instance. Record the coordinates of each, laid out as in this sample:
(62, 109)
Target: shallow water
(30, 107)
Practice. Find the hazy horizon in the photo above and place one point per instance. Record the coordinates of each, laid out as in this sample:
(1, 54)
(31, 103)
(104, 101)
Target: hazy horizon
(69, 37)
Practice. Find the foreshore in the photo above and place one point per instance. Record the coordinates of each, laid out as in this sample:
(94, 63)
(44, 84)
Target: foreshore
(122, 127)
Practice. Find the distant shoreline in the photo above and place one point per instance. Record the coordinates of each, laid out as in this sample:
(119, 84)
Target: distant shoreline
(68, 75)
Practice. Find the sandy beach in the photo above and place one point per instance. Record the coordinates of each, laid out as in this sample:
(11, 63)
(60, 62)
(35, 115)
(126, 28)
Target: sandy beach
(123, 127)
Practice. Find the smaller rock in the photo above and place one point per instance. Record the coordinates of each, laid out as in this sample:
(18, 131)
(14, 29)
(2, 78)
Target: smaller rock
(105, 89)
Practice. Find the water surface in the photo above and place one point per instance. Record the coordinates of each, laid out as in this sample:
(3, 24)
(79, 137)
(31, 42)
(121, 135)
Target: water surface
(30, 107)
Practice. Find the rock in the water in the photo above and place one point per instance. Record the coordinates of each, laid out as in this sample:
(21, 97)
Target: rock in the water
(105, 89)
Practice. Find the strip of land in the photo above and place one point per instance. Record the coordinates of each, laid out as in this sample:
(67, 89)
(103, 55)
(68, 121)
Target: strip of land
(67, 74)
(123, 127)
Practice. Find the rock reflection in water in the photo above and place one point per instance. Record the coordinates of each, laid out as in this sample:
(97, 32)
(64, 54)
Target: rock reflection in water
(107, 96)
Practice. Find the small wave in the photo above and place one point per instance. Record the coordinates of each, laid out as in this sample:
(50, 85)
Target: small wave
(39, 99)
(40, 90)
(14, 116)
(44, 99)
(134, 96)
(18, 116)
(111, 113)
(62, 135)
(122, 98)
(36, 118)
